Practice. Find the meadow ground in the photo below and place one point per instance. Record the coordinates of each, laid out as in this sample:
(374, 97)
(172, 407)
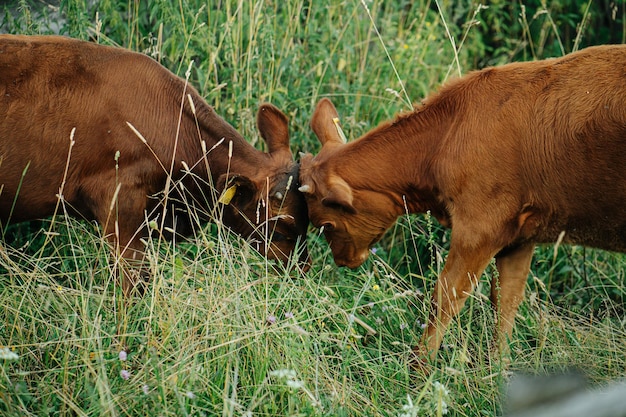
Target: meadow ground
(221, 331)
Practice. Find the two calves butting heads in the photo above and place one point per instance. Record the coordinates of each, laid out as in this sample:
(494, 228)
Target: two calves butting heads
(508, 157)
(144, 147)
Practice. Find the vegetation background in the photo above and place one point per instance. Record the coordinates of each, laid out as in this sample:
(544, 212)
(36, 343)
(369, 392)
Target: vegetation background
(221, 331)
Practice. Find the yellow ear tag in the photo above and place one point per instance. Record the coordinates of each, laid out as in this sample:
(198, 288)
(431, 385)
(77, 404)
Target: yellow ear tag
(339, 130)
(228, 195)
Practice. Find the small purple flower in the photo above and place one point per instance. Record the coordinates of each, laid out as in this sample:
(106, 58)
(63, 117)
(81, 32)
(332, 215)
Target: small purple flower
(125, 374)
(403, 326)
(271, 319)
(146, 389)
(123, 355)
(374, 250)
(289, 315)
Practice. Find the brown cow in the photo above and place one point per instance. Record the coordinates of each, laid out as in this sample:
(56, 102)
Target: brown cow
(144, 145)
(507, 157)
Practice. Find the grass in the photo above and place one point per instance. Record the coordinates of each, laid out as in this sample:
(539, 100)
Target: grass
(222, 332)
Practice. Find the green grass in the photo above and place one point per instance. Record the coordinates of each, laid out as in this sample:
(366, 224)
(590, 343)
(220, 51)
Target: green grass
(222, 332)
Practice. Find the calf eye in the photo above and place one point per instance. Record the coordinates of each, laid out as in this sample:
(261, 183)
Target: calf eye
(278, 237)
(327, 227)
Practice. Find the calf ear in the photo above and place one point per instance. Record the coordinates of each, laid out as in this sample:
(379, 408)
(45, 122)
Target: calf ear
(325, 123)
(340, 195)
(236, 190)
(274, 128)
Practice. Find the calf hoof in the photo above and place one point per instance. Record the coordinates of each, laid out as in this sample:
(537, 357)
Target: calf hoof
(419, 361)
(135, 283)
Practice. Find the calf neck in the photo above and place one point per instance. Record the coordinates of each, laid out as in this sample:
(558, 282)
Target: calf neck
(508, 157)
(122, 140)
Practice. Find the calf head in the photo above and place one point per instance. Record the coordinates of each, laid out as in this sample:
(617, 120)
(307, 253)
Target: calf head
(263, 203)
(353, 218)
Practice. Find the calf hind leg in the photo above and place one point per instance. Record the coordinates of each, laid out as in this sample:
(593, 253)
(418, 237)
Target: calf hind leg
(507, 291)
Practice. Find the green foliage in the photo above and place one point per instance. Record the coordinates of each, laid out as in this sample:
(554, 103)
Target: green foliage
(534, 29)
(220, 330)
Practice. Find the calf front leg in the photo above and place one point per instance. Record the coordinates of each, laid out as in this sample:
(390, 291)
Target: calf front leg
(458, 279)
(129, 255)
(129, 250)
(507, 292)
(122, 217)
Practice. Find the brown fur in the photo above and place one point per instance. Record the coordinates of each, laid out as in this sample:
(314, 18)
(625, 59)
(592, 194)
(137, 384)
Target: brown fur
(508, 157)
(50, 86)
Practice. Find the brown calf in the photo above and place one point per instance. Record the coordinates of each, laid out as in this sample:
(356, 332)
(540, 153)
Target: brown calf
(507, 157)
(144, 145)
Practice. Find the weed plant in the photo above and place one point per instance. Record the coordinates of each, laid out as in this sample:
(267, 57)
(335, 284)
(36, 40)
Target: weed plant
(220, 331)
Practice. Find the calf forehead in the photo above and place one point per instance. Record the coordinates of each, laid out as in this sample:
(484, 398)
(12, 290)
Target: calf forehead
(285, 199)
(284, 177)
(317, 211)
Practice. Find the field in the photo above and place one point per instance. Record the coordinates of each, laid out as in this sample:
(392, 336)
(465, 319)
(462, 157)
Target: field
(220, 330)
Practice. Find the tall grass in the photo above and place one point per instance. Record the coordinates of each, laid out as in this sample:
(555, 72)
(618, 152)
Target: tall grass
(222, 332)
